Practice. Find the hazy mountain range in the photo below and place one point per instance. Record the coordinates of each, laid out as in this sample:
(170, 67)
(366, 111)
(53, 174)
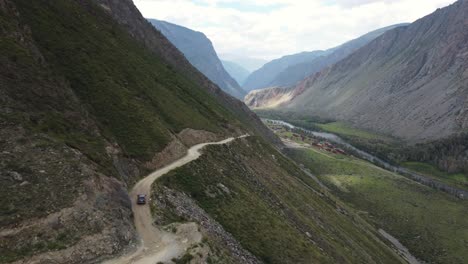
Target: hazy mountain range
(250, 64)
(237, 72)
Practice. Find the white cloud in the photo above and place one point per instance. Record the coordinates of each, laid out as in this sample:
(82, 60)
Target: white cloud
(269, 29)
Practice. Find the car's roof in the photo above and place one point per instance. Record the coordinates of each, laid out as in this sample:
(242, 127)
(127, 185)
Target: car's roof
(141, 195)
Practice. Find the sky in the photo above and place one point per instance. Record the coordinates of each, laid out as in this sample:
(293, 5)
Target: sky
(269, 29)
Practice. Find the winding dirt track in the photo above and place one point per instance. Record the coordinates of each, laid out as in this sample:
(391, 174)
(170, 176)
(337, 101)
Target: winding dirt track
(159, 245)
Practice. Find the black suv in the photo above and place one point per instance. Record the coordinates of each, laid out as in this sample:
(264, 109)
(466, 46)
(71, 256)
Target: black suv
(141, 199)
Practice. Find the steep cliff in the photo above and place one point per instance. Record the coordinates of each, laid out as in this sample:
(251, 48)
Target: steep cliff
(200, 52)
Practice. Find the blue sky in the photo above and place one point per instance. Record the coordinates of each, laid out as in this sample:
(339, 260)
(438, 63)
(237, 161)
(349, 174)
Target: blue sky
(268, 29)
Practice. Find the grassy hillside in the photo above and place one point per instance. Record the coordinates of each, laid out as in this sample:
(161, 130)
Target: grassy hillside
(135, 97)
(431, 224)
(273, 209)
(83, 106)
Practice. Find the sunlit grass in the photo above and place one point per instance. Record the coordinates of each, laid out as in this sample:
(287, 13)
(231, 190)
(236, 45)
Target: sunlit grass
(432, 224)
(345, 129)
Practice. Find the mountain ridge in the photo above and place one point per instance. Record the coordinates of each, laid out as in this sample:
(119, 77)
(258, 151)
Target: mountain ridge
(200, 52)
(261, 78)
(288, 70)
(392, 85)
(295, 73)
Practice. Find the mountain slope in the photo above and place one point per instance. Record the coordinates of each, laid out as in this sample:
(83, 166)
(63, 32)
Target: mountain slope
(92, 99)
(263, 77)
(86, 110)
(410, 82)
(294, 220)
(237, 72)
(295, 73)
(127, 16)
(198, 49)
(291, 69)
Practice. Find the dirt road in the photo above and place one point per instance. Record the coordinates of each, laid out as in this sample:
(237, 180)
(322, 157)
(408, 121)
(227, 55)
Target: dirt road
(159, 245)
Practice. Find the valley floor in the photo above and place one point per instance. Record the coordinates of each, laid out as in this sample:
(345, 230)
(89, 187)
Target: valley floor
(430, 223)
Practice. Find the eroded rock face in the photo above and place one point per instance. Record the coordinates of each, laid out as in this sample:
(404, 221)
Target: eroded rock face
(96, 227)
(59, 206)
(268, 98)
(179, 145)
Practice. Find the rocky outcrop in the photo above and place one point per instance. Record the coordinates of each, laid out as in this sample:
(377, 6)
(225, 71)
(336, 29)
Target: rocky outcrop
(186, 208)
(179, 145)
(268, 97)
(97, 226)
(190, 137)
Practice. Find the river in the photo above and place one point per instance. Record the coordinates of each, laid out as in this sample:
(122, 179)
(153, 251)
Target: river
(460, 193)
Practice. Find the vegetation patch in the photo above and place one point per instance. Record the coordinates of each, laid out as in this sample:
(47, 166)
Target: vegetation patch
(340, 128)
(457, 179)
(136, 98)
(267, 203)
(433, 225)
(449, 155)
